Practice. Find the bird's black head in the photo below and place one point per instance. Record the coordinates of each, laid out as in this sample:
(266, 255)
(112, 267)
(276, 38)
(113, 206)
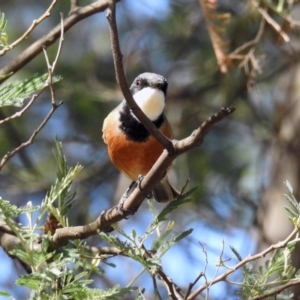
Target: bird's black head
(151, 80)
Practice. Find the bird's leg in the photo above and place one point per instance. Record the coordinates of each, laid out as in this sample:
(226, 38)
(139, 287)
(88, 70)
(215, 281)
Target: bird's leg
(139, 181)
(128, 191)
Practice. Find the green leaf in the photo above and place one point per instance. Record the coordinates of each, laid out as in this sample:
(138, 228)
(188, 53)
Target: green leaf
(66, 197)
(169, 208)
(4, 294)
(14, 93)
(166, 246)
(3, 34)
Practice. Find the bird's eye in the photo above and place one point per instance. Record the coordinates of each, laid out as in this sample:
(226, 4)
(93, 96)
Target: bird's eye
(138, 83)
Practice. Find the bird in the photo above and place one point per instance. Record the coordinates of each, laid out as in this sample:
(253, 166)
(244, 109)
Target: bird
(131, 148)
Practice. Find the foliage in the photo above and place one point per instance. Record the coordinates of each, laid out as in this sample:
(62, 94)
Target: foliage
(278, 269)
(67, 272)
(62, 273)
(3, 34)
(176, 45)
(133, 246)
(16, 92)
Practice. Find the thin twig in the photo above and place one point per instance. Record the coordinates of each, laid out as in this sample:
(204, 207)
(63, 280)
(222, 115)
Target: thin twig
(24, 109)
(204, 249)
(34, 24)
(223, 276)
(74, 5)
(156, 292)
(276, 291)
(61, 39)
(37, 47)
(275, 25)
(271, 21)
(55, 105)
(185, 186)
(174, 291)
(9, 155)
(113, 215)
(136, 198)
(235, 54)
(192, 284)
(218, 266)
(120, 76)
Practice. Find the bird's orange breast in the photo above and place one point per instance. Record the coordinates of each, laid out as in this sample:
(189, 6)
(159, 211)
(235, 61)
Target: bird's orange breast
(130, 157)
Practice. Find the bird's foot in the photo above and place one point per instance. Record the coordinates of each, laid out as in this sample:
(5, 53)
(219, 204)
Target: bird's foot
(123, 199)
(139, 182)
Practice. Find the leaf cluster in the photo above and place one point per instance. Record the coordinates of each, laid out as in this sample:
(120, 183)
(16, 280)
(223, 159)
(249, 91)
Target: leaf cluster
(66, 272)
(3, 34)
(14, 93)
(133, 246)
(278, 269)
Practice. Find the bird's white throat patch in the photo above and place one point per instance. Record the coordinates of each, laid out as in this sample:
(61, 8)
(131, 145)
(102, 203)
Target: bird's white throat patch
(151, 102)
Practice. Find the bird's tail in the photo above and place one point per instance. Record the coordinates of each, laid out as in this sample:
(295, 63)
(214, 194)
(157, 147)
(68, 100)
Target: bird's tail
(164, 192)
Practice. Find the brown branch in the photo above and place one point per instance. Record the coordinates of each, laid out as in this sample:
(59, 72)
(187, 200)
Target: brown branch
(113, 215)
(34, 24)
(173, 290)
(24, 109)
(156, 292)
(55, 105)
(5, 228)
(202, 274)
(9, 155)
(271, 21)
(216, 31)
(236, 53)
(74, 5)
(262, 254)
(34, 49)
(276, 291)
(120, 76)
(103, 223)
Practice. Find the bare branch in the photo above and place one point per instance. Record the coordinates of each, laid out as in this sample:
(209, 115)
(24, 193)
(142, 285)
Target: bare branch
(156, 292)
(136, 198)
(262, 254)
(24, 109)
(34, 49)
(9, 155)
(48, 83)
(235, 53)
(174, 291)
(34, 24)
(216, 31)
(61, 39)
(278, 290)
(74, 5)
(272, 22)
(120, 76)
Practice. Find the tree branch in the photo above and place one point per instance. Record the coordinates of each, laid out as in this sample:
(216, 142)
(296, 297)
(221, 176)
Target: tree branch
(276, 291)
(48, 84)
(262, 254)
(120, 76)
(136, 198)
(33, 50)
(34, 24)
